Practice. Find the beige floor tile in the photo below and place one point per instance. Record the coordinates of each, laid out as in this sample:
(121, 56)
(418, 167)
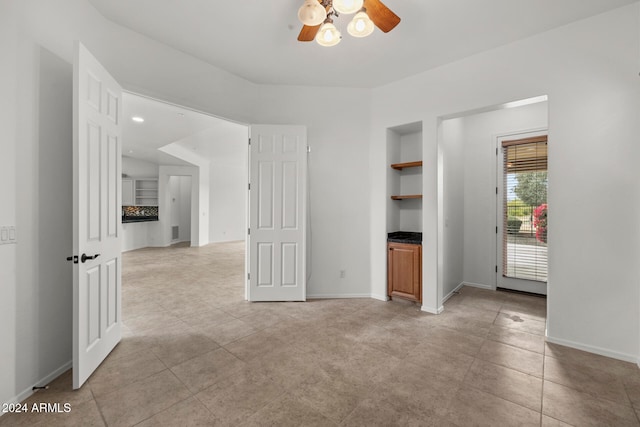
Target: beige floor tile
(600, 384)
(61, 391)
(225, 333)
(473, 407)
(632, 387)
(518, 322)
(583, 358)
(188, 413)
(155, 321)
(138, 401)
(85, 414)
(237, 397)
(581, 409)
(375, 411)
(512, 357)
(255, 345)
(207, 369)
(419, 390)
(334, 397)
(516, 338)
(391, 342)
(180, 345)
(552, 422)
(287, 410)
(454, 340)
(441, 360)
(509, 384)
(114, 374)
(327, 361)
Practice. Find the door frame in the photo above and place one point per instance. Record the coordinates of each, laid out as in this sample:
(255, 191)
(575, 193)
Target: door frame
(523, 285)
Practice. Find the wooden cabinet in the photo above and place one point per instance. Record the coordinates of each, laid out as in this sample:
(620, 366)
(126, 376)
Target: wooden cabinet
(404, 266)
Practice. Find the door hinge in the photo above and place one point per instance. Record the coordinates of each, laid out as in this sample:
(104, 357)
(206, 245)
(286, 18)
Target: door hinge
(496, 151)
(496, 268)
(248, 231)
(248, 276)
(496, 229)
(308, 148)
(496, 190)
(249, 141)
(249, 185)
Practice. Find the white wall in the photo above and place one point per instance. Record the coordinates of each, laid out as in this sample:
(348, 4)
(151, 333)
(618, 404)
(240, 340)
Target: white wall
(589, 70)
(10, 384)
(338, 179)
(136, 168)
(454, 196)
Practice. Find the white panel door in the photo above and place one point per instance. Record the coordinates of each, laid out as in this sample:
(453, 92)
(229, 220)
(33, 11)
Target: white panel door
(277, 213)
(97, 167)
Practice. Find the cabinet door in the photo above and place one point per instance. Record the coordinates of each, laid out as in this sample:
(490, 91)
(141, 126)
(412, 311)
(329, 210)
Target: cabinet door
(404, 270)
(127, 192)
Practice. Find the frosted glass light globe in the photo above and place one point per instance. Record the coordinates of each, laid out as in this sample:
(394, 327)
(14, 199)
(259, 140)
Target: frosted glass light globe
(328, 35)
(360, 25)
(347, 6)
(312, 13)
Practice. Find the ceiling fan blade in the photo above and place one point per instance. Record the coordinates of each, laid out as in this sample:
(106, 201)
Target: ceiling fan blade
(308, 33)
(381, 15)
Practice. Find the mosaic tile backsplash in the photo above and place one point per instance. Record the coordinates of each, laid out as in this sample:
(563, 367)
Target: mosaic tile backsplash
(136, 211)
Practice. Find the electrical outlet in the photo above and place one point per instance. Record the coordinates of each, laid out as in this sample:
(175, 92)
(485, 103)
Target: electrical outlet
(343, 273)
(8, 235)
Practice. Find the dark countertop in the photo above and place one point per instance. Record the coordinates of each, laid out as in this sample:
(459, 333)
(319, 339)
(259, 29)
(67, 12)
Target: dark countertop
(129, 219)
(411, 237)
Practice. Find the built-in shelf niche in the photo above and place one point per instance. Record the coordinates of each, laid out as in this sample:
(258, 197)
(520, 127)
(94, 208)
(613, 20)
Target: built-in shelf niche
(404, 177)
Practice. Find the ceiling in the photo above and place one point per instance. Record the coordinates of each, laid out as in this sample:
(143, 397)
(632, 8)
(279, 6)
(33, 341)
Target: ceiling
(206, 136)
(237, 35)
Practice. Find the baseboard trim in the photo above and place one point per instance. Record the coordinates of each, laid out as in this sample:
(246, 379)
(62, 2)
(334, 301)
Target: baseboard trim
(379, 297)
(479, 285)
(333, 296)
(42, 382)
(596, 350)
(432, 310)
(453, 292)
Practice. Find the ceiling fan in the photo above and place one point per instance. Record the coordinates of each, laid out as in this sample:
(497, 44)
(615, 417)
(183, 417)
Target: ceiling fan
(316, 15)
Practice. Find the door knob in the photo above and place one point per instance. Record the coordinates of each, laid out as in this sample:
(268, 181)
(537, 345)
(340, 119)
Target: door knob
(84, 257)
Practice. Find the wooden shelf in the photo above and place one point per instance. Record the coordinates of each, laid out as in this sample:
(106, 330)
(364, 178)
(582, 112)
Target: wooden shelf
(407, 196)
(400, 166)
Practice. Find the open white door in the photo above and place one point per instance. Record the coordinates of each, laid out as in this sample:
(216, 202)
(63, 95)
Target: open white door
(97, 166)
(277, 213)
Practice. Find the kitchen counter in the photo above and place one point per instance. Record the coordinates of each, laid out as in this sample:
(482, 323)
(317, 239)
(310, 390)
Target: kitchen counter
(130, 219)
(411, 237)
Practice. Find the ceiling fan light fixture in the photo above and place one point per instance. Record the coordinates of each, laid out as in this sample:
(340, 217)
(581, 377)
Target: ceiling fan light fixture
(361, 25)
(328, 35)
(312, 13)
(347, 6)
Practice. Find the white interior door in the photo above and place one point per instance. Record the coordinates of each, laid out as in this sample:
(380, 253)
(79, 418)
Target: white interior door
(97, 167)
(277, 213)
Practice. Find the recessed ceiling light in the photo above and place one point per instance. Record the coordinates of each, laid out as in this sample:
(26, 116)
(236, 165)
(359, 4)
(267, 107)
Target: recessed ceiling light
(137, 119)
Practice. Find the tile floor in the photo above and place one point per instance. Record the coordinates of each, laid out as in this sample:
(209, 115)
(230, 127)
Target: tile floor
(195, 354)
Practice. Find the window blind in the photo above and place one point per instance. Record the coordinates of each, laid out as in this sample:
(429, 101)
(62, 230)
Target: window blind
(524, 235)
